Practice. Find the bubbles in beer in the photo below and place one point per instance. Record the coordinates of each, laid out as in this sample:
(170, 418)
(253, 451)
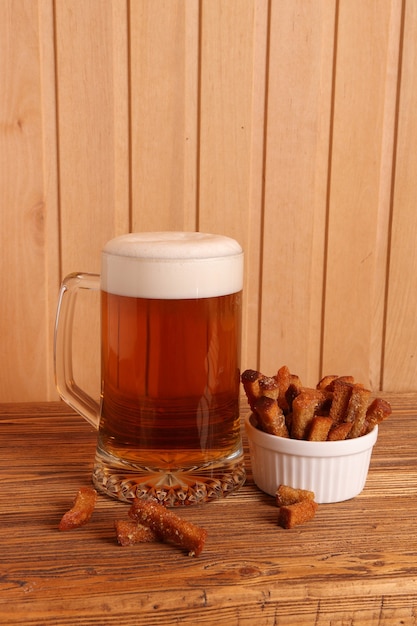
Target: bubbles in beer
(171, 378)
(171, 325)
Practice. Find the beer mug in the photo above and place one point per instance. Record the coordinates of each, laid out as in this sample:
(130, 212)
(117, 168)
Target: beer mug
(168, 417)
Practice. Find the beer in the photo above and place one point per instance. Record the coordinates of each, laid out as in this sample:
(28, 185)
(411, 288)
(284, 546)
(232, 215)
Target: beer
(170, 379)
(171, 327)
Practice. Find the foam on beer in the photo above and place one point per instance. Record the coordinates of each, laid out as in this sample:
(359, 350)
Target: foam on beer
(172, 265)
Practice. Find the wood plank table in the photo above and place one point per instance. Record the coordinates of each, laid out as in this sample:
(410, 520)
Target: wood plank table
(354, 564)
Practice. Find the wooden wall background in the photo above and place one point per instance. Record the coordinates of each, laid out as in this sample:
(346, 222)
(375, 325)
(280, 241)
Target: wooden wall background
(290, 125)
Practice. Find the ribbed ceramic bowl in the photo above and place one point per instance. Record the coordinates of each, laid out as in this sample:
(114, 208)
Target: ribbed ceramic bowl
(334, 470)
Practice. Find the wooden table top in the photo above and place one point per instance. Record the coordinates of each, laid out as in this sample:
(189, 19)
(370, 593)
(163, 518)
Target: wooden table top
(355, 563)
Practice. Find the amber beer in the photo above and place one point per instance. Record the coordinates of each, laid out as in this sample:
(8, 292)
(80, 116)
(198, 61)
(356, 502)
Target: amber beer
(171, 329)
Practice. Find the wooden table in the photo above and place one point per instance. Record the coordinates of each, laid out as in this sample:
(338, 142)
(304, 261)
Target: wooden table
(354, 564)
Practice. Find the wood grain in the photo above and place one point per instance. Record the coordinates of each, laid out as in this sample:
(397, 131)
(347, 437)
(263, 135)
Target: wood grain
(164, 101)
(296, 164)
(357, 201)
(25, 293)
(91, 91)
(401, 333)
(288, 125)
(354, 563)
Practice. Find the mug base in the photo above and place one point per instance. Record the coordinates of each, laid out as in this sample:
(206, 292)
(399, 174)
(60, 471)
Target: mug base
(179, 487)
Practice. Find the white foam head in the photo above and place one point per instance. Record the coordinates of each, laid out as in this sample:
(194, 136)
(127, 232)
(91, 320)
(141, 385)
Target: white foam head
(172, 265)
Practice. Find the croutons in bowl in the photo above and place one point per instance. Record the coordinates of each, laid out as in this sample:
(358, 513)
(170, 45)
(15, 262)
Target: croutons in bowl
(333, 470)
(319, 439)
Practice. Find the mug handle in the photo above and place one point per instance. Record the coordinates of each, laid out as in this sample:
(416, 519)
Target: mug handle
(67, 387)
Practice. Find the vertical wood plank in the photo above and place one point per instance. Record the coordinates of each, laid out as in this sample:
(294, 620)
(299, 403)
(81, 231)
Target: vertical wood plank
(358, 202)
(50, 182)
(297, 144)
(92, 91)
(164, 88)
(253, 223)
(86, 70)
(24, 212)
(233, 66)
(121, 117)
(221, 116)
(386, 182)
(400, 357)
(225, 115)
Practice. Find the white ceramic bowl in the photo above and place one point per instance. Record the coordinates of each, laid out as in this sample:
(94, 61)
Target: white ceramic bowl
(334, 470)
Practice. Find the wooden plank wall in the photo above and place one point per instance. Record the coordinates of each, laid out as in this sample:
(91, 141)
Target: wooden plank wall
(287, 124)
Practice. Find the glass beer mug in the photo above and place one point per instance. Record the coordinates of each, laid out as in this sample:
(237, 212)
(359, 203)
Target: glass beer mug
(168, 418)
